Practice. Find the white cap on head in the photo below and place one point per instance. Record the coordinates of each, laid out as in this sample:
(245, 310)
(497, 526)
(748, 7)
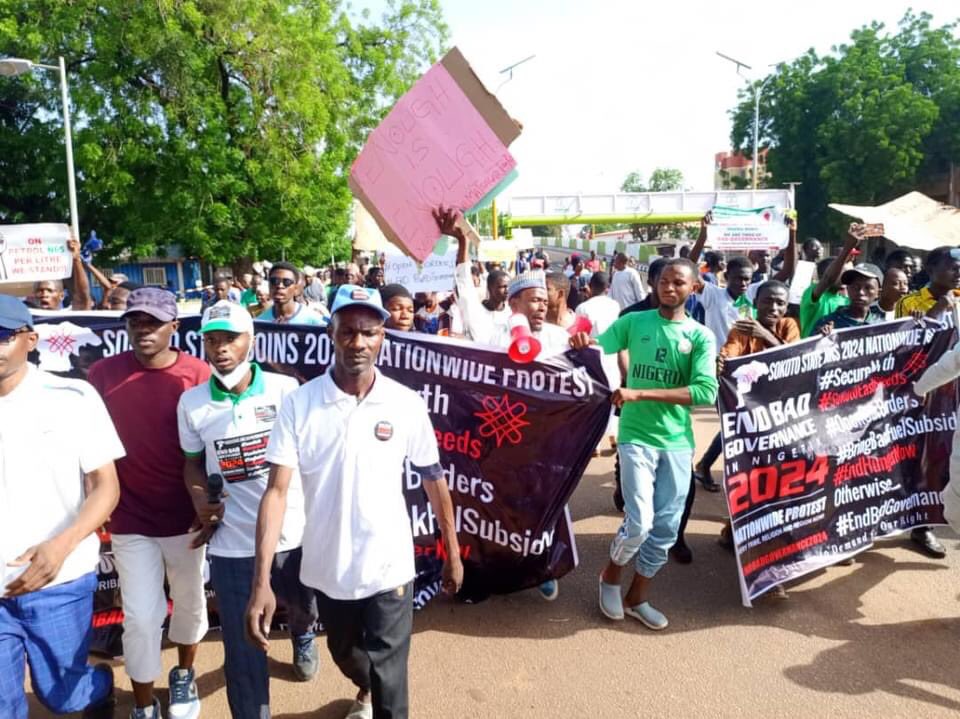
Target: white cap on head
(227, 316)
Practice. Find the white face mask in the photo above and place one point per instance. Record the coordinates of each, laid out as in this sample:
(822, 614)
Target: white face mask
(234, 377)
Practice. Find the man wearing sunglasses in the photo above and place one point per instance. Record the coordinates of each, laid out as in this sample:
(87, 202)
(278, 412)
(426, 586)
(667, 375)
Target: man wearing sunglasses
(55, 437)
(285, 289)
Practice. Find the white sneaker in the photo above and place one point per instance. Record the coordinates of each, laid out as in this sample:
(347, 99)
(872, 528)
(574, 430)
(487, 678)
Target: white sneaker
(359, 710)
(184, 702)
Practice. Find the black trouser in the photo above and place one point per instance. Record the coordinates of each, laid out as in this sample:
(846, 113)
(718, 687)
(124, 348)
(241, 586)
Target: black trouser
(369, 639)
(687, 508)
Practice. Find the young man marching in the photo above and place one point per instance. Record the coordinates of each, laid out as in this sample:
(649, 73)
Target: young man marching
(151, 526)
(671, 367)
(224, 426)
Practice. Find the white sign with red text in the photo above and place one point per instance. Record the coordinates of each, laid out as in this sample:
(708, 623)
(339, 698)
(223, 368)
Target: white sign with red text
(29, 253)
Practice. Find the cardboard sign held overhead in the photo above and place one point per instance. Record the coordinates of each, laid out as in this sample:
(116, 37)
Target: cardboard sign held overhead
(443, 143)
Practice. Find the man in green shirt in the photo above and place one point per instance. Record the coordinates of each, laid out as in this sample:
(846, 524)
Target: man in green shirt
(671, 367)
(824, 298)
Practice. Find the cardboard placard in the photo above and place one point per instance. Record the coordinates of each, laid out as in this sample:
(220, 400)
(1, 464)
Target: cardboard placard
(497, 251)
(30, 253)
(443, 143)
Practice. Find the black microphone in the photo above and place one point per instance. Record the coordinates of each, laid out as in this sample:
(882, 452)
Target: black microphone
(215, 488)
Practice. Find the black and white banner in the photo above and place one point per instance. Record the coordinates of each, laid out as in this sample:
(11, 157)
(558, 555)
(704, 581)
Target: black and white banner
(514, 440)
(826, 446)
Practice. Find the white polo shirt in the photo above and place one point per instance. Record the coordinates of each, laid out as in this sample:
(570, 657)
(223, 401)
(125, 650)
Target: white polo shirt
(52, 432)
(357, 541)
(232, 431)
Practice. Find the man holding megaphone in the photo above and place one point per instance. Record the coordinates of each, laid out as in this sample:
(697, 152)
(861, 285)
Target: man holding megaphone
(527, 336)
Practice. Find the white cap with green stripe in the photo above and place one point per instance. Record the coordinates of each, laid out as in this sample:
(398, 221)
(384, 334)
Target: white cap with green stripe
(227, 316)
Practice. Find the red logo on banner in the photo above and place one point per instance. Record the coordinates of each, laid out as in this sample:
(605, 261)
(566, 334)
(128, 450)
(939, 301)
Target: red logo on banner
(61, 344)
(502, 419)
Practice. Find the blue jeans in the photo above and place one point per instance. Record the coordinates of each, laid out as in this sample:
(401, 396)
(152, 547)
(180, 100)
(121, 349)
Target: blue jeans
(655, 483)
(52, 628)
(245, 666)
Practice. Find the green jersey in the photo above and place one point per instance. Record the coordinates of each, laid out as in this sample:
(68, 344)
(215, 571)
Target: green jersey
(811, 312)
(664, 354)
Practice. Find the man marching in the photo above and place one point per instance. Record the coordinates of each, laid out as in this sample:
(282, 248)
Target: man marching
(349, 432)
(55, 437)
(224, 426)
(671, 367)
(151, 526)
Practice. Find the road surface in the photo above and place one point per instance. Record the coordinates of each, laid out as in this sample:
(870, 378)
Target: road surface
(876, 639)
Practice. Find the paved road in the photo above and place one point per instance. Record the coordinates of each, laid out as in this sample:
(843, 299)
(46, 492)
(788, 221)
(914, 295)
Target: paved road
(877, 639)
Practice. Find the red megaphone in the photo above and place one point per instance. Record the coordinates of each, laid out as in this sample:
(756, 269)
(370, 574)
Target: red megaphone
(581, 324)
(524, 347)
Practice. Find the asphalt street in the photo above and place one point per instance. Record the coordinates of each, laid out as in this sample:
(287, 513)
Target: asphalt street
(875, 639)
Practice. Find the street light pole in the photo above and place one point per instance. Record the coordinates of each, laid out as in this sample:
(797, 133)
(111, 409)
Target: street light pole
(757, 91)
(509, 72)
(11, 67)
(68, 138)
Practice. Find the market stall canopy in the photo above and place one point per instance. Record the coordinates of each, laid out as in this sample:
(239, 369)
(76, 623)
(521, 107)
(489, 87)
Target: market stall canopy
(914, 220)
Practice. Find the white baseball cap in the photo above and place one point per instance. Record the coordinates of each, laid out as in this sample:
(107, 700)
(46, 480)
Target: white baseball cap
(227, 316)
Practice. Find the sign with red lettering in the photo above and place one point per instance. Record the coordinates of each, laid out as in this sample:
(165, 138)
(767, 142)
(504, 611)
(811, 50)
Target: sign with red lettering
(29, 253)
(826, 447)
(443, 143)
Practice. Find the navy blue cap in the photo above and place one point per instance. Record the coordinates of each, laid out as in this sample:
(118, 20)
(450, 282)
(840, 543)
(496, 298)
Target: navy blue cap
(14, 314)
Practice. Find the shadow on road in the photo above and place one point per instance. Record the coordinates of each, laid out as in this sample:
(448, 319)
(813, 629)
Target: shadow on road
(705, 595)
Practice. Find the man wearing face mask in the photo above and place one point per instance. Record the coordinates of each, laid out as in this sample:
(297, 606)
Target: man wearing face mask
(224, 426)
(151, 526)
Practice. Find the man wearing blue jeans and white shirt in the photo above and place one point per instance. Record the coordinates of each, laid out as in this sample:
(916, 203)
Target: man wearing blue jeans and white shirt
(55, 437)
(350, 433)
(671, 367)
(224, 426)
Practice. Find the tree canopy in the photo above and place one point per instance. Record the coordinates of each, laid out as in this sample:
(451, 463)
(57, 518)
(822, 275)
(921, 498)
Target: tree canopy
(225, 127)
(862, 124)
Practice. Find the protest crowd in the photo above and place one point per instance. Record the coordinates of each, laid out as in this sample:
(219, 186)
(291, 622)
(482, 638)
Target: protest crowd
(300, 451)
(280, 486)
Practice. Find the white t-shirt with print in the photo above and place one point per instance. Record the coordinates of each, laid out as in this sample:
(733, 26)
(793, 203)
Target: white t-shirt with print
(357, 541)
(53, 431)
(232, 431)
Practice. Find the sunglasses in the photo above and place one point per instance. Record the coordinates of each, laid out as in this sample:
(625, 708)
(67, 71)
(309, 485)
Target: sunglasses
(7, 336)
(282, 282)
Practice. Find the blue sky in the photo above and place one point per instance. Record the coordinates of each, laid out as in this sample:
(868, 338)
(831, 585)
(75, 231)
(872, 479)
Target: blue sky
(619, 85)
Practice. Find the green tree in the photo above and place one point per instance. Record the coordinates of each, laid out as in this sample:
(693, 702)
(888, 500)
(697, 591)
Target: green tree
(662, 179)
(227, 128)
(862, 124)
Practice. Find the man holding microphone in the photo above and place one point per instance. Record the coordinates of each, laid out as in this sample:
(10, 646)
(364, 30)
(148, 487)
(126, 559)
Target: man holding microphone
(224, 426)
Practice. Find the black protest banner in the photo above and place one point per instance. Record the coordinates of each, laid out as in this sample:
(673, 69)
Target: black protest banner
(826, 447)
(514, 439)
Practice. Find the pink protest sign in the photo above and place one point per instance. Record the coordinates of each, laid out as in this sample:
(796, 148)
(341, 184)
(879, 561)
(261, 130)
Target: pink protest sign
(436, 147)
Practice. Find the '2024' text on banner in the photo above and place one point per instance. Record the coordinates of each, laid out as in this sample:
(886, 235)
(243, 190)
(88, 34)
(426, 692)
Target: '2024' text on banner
(826, 447)
(30, 253)
(444, 143)
(506, 458)
(733, 228)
